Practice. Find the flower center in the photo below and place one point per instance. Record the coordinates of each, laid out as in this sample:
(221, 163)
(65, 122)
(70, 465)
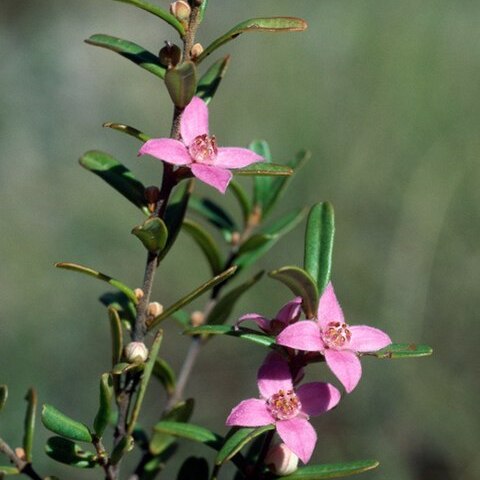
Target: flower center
(284, 405)
(203, 149)
(336, 335)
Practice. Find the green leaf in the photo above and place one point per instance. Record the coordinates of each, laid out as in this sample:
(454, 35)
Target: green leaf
(223, 308)
(279, 184)
(67, 452)
(181, 412)
(129, 50)
(254, 243)
(238, 440)
(116, 335)
(402, 350)
(3, 396)
(101, 276)
(245, 333)
(264, 168)
(7, 470)
(206, 243)
(165, 374)
(210, 80)
(193, 468)
(319, 243)
(274, 233)
(133, 132)
(319, 472)
(242, 198)
(30, 416)
(59, 423)
(121, 303)
(122, 367)
(158, 12)
(301, 284)
(190, 432)
(117, 176)
(181, 83)
(193, 295)
(273, 24)
(261, 184)
(105, 404)
(152, 233)
(216, 215)
(201, 12)
(126, 445)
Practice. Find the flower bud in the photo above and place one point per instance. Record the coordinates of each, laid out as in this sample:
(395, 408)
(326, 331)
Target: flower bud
(20, 453)
(196, 51)
(136, 352)
(281, 460)
(170, 55)
(197, 318)
(138, 293)
(181, 10)
(154, 309)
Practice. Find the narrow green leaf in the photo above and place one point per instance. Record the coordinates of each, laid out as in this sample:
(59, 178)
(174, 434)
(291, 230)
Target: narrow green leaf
(174, 216)
(147, 372)
(279, 184)
(105, 404)
(165, 374)
(116, 175)
(193, 295)
(158, 12)
(190, 432)
(261, 184)
(133, 132)
(183, 318)
(152, 233)
(30, 416)
(203, 8)
(3, 396)
(210, 80)
(264, 168)
(181, 83)
(235, 442)
(130, 51)
(122, 367)
(319, 243)
(126, 445)
(206, 243)
(301, 284)
(254, 243)
(402, 350)
(244, 333)
(223, 308)
(59, 423)
(116, 335)
(193, 468)
(7, 470)
(121, 303)
(242, 199)
(181, 412)
(275, 232)
(215, 214)
(319, 472)
(101, 276)
(273, 24)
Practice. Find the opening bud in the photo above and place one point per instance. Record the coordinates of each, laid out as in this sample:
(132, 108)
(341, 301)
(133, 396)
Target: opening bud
(196, 51)
(197, 318)
(136, 352)
(170, 55)
(281, 460)
(181, 10)
(154, 309)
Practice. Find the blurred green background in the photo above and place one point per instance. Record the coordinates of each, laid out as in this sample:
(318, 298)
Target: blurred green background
(385, 94)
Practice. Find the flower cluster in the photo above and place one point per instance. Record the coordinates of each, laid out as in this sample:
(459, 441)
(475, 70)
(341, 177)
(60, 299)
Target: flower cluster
(282, 401)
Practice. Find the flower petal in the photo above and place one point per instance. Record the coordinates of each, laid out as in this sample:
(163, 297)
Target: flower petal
(252, 412)
(367, 339)
(234, 157)
(290, 312)
(299, 436)
(262, 322)
(304, 335)
(329, 309)
(194, 120)
(346, 367)
(166, 149)
(218, 178)
(318, 397)
(274, 375)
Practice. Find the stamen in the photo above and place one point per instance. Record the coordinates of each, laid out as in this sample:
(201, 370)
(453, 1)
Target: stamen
(284, 405)
(336, 335)
(203, 149)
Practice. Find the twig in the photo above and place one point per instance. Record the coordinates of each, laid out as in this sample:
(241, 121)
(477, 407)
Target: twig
(23, 466)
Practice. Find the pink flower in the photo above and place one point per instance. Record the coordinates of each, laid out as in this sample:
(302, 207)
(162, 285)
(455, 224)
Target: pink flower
(337, 341)
(288, 314)
(198, 149)
(285, 407)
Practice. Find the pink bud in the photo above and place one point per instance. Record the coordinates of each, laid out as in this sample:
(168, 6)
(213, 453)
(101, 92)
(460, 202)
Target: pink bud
(281, 460)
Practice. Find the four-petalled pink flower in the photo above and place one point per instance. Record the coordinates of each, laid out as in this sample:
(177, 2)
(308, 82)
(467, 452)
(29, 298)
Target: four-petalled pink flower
(198, 149)
(338, 342)
(286, 407)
